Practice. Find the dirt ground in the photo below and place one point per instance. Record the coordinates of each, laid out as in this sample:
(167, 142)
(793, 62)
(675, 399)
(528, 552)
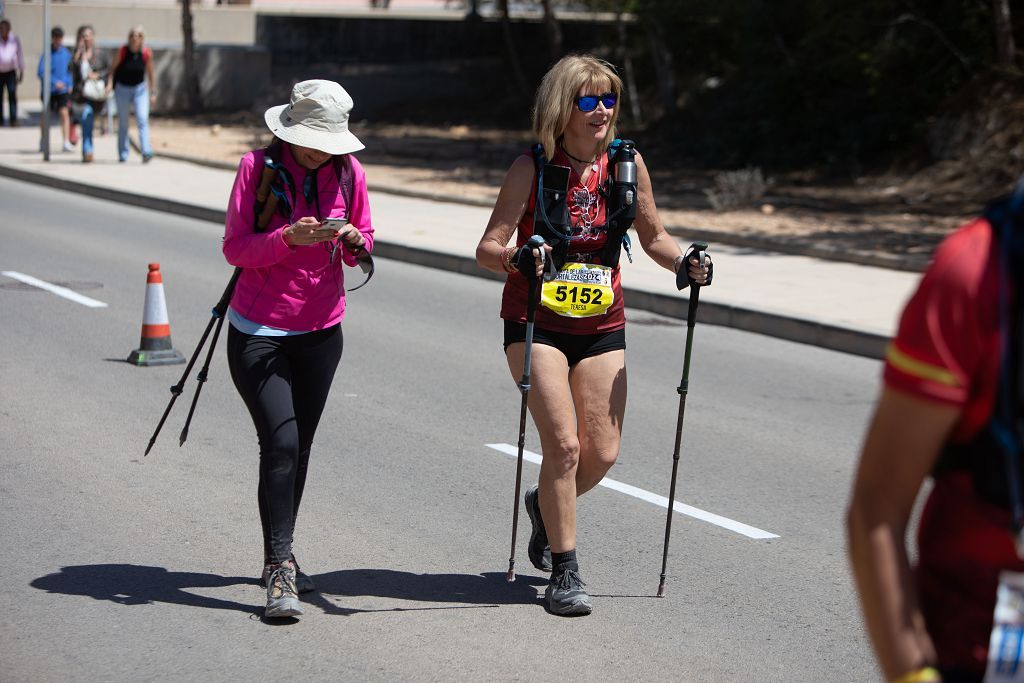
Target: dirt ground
(896, 220)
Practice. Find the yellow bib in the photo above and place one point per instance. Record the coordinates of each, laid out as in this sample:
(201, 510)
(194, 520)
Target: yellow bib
(581, 290)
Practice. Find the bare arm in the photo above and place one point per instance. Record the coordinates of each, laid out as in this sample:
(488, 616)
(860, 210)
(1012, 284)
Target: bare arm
(654, 239)
(508, 210)
(658, 244)
(901, 447)
(151, 77)
(113, 68)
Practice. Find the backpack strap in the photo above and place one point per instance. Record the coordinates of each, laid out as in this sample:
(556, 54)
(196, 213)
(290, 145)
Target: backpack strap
(346, 179)
(272, 187)
(621, 197)
(1006, 218)
(347, 182)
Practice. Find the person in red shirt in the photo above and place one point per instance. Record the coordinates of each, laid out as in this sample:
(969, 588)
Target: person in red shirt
(578, 393)
(942, 371)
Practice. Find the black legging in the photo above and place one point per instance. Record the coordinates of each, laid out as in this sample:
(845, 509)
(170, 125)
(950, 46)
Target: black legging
(284, 382)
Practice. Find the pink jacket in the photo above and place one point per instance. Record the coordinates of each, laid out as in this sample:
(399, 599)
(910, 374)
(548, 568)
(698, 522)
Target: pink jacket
(291, 288)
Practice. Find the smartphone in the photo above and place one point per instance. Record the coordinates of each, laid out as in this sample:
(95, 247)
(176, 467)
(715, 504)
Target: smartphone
(335, 224)
(556, 178)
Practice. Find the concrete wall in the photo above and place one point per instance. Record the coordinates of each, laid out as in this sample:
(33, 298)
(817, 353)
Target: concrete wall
(393, 63)
(231, 77)
(232, 71)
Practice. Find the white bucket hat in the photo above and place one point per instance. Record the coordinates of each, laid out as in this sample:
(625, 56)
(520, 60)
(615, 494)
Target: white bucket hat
(316, 117)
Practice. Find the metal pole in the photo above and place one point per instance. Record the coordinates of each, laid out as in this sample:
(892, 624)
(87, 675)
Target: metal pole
(535, 242)
(684, 386)
(47, 61)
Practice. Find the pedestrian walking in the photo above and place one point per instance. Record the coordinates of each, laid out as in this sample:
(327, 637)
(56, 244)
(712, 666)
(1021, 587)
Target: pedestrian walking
(577, 395)
(60, 86)
(950, 408)
(285, 336)
(133, 83)
(89, 68)
(12, 68)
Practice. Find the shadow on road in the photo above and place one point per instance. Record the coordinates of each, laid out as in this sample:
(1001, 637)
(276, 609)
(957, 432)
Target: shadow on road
(467, 590)
(129, 584)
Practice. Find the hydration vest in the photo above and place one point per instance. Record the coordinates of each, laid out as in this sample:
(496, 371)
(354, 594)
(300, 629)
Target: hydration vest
(551, 212)
(995, 456)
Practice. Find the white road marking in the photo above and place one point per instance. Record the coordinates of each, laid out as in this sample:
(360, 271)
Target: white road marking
(661, 501)
(54, 289)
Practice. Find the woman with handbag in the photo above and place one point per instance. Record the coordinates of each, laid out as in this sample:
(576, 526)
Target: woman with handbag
(89, 68)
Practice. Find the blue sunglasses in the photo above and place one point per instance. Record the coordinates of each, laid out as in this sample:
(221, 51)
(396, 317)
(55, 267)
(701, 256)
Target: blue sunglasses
(587, 103)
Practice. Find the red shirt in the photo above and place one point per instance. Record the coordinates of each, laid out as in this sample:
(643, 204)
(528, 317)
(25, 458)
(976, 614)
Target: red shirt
(948, 350)
(585, 243)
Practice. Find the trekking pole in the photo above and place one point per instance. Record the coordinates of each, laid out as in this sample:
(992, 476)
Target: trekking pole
(536, 242)
(691, 318)
(176, 390)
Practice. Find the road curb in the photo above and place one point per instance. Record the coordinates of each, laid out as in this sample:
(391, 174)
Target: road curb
(790, 328)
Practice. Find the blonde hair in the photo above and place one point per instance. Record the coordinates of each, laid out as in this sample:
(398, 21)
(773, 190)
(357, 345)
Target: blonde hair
(556, 97)
(138, 28)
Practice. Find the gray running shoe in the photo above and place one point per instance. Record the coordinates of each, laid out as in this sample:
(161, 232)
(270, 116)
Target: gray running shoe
(282, 598)
(303, 582)
(565, 595)
(538, 549)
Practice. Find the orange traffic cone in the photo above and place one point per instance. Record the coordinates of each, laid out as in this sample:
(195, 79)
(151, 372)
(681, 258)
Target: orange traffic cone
(155, 347)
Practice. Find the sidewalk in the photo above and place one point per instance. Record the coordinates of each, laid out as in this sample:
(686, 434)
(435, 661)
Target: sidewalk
(840, 306)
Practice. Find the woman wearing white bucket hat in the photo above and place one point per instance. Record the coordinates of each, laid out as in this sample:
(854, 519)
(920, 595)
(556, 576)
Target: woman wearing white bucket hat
(285, 338)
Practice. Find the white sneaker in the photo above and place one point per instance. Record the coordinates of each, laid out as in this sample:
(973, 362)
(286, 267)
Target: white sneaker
(68, 147)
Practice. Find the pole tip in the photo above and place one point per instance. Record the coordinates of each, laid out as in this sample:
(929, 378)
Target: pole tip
(661, 590)
(511, 576)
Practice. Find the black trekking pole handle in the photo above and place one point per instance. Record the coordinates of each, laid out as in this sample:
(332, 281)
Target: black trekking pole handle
(535, 242)
(700, 248)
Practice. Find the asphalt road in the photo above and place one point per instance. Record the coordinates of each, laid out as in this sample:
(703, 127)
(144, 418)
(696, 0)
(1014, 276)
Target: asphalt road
(127, 568)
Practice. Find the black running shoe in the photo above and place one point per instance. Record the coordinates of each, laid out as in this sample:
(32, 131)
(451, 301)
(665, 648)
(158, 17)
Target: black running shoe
(565, 595)
(538, 550)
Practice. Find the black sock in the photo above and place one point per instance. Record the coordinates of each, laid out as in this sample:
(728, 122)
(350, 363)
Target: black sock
(564, 561)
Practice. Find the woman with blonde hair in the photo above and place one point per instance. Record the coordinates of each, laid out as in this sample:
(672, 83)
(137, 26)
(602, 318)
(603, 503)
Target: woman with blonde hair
(578, 382)
(132, 69)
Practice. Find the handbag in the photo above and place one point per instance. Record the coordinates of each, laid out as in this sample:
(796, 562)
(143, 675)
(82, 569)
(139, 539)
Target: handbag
(95, 90)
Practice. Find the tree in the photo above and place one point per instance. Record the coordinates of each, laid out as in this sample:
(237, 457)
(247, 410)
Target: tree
(193, 97)
(511, 53)
(553, 32)
(1005, 47)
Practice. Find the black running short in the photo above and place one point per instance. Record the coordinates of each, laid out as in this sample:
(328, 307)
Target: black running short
(58, 100)
(576, 347)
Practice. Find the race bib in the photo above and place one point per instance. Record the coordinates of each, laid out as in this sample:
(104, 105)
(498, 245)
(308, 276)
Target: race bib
(1005, 651)
(581, 290)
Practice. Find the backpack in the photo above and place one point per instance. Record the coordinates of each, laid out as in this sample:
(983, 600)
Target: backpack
(994, 456)
(275, 192)
(147, 54)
